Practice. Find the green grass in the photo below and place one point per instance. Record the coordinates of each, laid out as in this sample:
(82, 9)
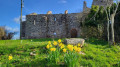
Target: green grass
(98, 54)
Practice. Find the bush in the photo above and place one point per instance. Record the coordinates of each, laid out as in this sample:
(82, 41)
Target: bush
(88, 32)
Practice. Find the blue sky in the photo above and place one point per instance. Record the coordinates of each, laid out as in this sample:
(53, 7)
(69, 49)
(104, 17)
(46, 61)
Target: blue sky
(10, 10)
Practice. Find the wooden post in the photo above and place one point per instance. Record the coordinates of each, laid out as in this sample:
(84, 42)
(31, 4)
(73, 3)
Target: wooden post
(21, 20)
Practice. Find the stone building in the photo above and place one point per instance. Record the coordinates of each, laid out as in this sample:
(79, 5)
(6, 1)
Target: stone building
(54, 25)
(104, 3)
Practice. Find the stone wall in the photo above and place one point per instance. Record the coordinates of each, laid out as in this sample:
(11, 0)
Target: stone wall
(45, 25)
(103, 3)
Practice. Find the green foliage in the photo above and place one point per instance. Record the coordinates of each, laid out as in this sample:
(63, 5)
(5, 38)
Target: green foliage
(94, 9)
(113, 8)
(96, 16)
(53, 57)
(71, 59)
(99, 15)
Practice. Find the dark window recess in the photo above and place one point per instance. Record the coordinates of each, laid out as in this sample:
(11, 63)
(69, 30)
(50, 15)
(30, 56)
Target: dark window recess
(54, 19)
(23, 35)
(47, 19)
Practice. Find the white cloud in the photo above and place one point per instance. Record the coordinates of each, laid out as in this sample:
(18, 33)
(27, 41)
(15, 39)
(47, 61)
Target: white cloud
(11, 29)
(17, 36)
(62, 1)
(17, 19)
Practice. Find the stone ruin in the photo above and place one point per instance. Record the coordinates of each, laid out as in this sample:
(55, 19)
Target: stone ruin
(64, 25)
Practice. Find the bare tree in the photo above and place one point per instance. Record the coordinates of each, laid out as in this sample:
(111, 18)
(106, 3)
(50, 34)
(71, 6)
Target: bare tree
(110, 19)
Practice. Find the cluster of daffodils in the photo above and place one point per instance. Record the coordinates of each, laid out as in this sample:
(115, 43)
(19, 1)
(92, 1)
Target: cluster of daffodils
(76, 48)
(49, 46)
(52, 47)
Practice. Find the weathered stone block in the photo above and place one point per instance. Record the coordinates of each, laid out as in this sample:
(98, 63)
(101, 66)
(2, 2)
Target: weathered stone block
(75, 41)
(33, 14)
(66, 11)
(49, 12)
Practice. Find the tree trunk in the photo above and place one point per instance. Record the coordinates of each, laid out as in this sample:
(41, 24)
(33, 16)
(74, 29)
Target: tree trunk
(112, 29)
(108, 36)
(108, 25)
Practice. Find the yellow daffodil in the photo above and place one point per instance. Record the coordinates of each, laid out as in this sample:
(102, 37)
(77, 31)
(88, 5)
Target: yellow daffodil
(53, 49)
(78, 49)
(49, 42)
(59, 41)
(75, 47)
(10, 57)
(64, 50)
(50, 45)
(47, 46)
(55, 43)
(70, 47)
(78, 44)
(62, 46)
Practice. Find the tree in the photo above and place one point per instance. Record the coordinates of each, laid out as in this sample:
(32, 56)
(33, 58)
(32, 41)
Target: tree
(6, 35)
(90, 20)
(2, 32)
(111, 12)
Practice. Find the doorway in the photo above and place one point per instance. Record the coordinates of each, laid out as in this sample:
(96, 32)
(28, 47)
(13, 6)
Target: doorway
(73, 33)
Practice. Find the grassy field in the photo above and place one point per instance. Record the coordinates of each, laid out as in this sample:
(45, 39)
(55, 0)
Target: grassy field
(97, 54)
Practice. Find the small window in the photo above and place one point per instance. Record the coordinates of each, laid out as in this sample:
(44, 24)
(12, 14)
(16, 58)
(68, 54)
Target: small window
(34, 22)
(54, 19)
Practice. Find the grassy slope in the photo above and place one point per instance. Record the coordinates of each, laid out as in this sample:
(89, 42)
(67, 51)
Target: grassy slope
(98, 53)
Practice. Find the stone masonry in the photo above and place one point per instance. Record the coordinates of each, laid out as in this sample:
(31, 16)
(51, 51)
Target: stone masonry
(46, 25)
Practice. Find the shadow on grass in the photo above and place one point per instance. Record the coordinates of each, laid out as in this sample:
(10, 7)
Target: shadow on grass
(40, 63)
(96, 41)
(43, 39)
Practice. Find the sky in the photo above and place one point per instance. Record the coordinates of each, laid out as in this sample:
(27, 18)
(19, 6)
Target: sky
(10, 10)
